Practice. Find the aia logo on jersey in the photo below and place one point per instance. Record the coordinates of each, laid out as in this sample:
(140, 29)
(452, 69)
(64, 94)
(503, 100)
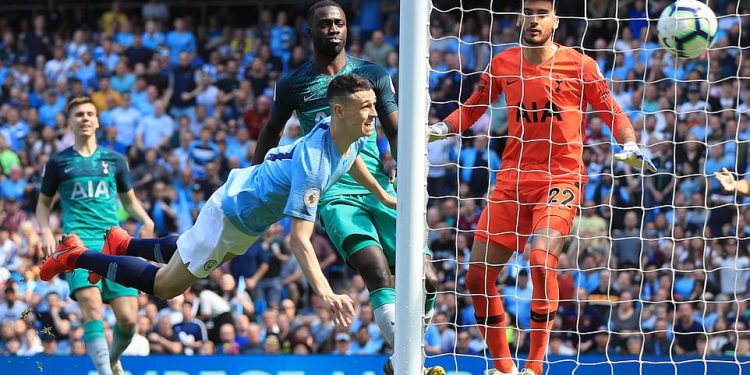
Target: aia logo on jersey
(536, 113)
(89, 189)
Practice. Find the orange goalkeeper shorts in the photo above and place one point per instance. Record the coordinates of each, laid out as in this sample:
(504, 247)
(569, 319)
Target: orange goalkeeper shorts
(513, 212)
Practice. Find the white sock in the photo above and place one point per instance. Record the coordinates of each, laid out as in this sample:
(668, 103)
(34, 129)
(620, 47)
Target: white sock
(99, 353)
(385, 317)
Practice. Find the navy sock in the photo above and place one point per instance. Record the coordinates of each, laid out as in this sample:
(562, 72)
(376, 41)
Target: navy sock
(159, 250)
(128, 271)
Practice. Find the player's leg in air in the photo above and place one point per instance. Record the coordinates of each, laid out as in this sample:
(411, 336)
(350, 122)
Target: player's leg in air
(364, 233)
(190, 256)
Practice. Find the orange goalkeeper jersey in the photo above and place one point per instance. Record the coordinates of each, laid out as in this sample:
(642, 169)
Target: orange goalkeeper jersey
(547, 106)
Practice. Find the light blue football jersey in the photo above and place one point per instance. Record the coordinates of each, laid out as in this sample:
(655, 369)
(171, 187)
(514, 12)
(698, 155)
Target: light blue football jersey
(289, 182)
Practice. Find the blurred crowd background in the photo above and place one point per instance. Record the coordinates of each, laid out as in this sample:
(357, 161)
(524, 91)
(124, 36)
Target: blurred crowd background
(656, 265)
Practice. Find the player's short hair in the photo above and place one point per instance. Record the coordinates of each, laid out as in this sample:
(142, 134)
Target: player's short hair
(78, 100)
(321, 4)
(347, 84)
(554, 4)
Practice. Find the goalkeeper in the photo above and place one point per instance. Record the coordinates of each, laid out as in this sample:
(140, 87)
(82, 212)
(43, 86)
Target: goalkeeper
(548, 88)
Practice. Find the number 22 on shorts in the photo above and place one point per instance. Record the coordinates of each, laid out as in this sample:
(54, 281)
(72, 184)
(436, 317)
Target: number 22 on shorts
(561, 196)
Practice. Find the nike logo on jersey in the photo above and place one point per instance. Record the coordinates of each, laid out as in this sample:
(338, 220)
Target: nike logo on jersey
(512, 81)
(67, 170)
(311, 97)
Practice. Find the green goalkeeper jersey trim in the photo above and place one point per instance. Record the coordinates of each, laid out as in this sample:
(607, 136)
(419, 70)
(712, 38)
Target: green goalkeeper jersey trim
(88, 188)
(304, 91)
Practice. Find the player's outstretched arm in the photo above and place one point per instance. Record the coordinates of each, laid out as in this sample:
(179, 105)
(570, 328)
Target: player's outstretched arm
(468, 112)
(340, 305)
(596, 92)
(359, 172)
(729, 184)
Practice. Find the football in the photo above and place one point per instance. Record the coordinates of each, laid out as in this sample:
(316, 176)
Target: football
(687, 28)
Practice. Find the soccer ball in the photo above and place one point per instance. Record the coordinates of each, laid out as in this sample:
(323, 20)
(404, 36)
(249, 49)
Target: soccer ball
(687, 28)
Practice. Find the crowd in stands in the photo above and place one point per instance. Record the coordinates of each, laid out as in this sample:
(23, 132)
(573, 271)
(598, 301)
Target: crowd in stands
(656, 265)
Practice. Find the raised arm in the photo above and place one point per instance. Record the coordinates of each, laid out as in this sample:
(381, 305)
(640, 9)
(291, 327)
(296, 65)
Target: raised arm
(341, 306)
(359, 172)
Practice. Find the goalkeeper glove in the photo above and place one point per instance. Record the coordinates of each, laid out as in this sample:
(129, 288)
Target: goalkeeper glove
(437, 131)
(632, 156)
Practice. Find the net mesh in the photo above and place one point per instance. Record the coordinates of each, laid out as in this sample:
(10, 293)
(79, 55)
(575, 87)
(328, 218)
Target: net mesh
(654, 275)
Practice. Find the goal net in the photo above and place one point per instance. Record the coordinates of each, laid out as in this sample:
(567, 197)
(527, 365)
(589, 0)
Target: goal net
(654, 275)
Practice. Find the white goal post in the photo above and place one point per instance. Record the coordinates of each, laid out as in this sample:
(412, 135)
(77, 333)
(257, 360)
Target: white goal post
(413, 103)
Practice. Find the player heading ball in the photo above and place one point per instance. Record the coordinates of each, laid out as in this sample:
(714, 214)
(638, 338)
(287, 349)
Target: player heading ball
(289, 182)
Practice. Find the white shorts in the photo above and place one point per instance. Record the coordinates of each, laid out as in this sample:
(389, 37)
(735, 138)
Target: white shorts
(204, 246)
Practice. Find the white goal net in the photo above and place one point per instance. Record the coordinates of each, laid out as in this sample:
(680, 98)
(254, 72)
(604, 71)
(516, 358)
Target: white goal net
(654, 276)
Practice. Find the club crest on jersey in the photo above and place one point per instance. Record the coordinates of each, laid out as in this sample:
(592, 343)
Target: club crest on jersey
(105, 168)
(312, 197)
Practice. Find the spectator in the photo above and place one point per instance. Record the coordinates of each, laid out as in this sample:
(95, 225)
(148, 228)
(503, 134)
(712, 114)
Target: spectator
(165, 340)
(686, 330)
(201, 152)
(15, 185)
(15, 130)
(477, 166)
(139, 345)
(343, 344)
(105, 98)
(517, 299)
(154, 131)
(11, 309)
(8, 158)
(123, 81)
(627, 245)
(55, 318)
(250, 336)
(257, 116)
(14, 215)
(182, 80)
(192, 332)
(137, 53)
(155, 10)
(180, 40)
(376, 50)
(364, 344)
